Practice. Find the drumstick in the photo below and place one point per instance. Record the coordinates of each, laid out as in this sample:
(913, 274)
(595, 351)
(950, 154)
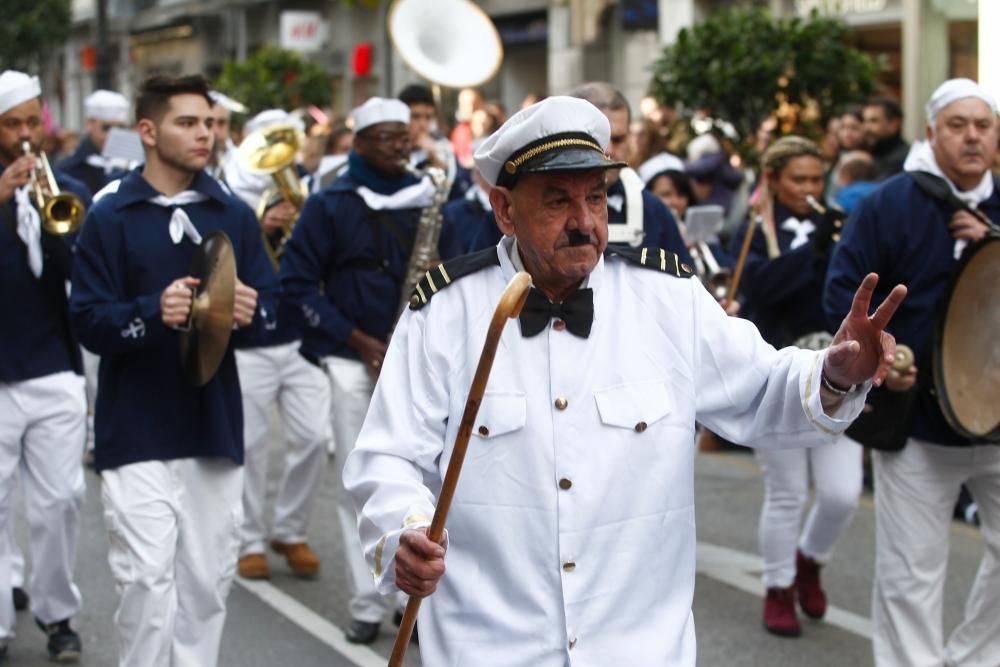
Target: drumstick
(509, 307)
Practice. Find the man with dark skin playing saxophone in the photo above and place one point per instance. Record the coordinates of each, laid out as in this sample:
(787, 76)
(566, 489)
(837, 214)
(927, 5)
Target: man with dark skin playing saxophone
(344, 266)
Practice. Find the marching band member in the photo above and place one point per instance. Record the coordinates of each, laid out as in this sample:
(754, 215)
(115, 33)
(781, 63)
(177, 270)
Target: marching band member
(783, 286)
(649, 222)
(170, 454)
(344, 266)
(472, 216)
(571, 536)
(223, 148)
(43, 408)
(103, 109)
(427, 147)
(914, 236)
(274, 372)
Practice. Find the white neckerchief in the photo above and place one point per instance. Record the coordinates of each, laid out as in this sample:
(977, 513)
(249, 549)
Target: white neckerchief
(418, 195)
(29, 228)
(921, 158)
(180, 223)
(801, 228)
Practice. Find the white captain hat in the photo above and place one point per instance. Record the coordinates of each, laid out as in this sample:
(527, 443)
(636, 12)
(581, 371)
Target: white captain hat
(556, 134)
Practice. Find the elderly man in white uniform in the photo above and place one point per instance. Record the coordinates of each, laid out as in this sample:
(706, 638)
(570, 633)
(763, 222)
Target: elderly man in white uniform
(571, 538)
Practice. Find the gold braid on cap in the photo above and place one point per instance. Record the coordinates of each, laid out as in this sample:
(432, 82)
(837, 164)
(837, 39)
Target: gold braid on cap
(547, 144)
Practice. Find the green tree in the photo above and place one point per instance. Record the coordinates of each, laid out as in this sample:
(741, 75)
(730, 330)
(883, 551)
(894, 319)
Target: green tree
(743, 66)
(275, 78)
(32, 29)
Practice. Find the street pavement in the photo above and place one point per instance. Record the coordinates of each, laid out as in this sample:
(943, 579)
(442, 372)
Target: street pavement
(288, 622)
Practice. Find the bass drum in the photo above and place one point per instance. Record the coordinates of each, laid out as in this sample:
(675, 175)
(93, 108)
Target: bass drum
(966, 349)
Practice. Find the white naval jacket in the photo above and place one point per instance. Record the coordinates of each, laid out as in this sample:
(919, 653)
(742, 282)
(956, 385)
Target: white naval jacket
(571, 540)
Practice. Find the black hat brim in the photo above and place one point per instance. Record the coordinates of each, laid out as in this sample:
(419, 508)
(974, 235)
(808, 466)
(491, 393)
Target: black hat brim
(571, 158)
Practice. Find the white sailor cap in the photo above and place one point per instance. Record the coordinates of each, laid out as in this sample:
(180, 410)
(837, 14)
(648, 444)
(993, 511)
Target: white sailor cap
(380, 110)
(273, 117)
(953, 90)
(556, 134)
(658, 164)
(106, 106)
(226, 102)
(17, 88)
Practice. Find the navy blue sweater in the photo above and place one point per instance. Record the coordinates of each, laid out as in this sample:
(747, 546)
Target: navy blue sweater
(76, 165)
(783, 296)
(345, 269)
(146, 410)
(475, 226)
(901, 233)
(35, 330)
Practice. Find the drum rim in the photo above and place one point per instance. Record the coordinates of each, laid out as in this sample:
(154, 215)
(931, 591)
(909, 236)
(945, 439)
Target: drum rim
(939, 384)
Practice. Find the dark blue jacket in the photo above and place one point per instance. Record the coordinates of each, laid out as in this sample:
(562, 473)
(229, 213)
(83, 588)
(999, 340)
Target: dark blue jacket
(76, 165)
(146, 410)
(902, 234)
(35, 330)
(345, 264)
(783, 296)
(657, 221)
(475, 226)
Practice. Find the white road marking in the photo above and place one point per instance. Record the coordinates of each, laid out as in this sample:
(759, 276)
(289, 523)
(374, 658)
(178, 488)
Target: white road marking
(742, 571)
(311, 622)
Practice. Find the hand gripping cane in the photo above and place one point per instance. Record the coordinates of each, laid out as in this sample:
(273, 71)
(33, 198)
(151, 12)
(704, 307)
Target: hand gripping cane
(509, 307)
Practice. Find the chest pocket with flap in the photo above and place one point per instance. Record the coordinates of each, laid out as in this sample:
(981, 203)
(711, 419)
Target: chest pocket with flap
(635, 406)
(500, 413)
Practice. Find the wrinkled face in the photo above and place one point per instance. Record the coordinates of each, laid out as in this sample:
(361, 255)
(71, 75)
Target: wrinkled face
(877, 126)
(422, 117)
(17, 125)
(560, 220)
(98, 131)
(384, 146)
(802, 176)
(850, 134)
(183, 137)
(964, 140)
(664, 188)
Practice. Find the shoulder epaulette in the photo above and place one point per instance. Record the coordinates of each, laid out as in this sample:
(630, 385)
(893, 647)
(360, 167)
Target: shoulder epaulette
(656, 259)
(448, 272)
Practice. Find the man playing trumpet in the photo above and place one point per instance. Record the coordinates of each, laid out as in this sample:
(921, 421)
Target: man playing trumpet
(43, 409)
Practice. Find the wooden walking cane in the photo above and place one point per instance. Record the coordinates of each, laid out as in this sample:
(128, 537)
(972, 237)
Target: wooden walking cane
(509, 307)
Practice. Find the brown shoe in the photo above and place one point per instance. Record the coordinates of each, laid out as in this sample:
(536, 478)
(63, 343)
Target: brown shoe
(254, 566)
(301, 558)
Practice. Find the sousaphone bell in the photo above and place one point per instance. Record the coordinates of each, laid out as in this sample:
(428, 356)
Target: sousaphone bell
(205, 337)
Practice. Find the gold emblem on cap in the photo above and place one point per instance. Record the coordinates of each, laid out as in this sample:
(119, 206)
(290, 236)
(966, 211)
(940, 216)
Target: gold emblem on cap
(510, 167)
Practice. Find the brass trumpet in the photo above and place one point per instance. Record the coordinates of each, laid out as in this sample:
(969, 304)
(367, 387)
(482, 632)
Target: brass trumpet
(62, 212)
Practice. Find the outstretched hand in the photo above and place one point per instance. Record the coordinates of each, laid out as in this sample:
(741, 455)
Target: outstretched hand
(862, 349)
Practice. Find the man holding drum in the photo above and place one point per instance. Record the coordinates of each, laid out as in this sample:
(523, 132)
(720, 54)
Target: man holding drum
(916, 234)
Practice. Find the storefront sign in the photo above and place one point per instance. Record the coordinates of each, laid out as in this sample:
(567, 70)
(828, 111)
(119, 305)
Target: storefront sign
(302, 31)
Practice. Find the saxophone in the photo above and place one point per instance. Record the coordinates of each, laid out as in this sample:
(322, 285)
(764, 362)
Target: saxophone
(424, 255)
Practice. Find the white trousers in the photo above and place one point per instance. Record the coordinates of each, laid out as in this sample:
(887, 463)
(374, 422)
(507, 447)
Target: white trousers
(174, 534)
(91, 366)
(915, 493)
(270, 375)
(836, 471)
(42, 430)
(352, 392)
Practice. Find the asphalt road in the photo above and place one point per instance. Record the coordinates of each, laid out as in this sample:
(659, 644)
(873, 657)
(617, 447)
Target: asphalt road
(289, 622)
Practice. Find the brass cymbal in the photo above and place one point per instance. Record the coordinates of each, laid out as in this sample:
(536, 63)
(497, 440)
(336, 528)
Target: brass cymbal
(204, 343)
(904, 358)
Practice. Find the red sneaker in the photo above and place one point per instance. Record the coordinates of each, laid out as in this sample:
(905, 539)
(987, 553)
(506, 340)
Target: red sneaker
(812, 599)
(779, 612)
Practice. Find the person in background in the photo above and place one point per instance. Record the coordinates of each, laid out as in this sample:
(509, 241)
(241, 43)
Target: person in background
(883, 128)
(855, 179)
(103, 110)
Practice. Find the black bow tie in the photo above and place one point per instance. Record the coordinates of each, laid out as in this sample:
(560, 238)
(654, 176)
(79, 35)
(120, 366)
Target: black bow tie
(577, 311)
